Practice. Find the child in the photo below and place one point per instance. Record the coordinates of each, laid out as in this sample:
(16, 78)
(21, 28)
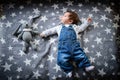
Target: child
(68, 46)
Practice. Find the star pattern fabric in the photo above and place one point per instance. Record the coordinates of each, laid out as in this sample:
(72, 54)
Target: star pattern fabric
(100, 41)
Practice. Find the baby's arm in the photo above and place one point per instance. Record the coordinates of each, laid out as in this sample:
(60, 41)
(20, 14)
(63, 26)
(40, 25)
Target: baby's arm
(49, 32)
(84, 25)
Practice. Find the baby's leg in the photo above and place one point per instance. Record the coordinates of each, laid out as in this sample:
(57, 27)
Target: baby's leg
(63, 61)
(80, 57)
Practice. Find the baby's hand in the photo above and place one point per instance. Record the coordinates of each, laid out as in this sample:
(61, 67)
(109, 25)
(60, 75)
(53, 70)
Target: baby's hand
(89, 19)
(42, 35)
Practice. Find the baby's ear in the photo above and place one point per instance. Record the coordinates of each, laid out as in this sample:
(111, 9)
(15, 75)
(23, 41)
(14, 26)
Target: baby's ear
(71, 21)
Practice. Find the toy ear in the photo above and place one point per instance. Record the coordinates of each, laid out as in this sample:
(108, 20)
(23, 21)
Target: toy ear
(17, 31)
(35, 19)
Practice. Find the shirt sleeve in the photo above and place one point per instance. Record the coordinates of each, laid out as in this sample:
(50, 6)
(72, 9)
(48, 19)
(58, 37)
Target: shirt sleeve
(83, 26)
(50, 31)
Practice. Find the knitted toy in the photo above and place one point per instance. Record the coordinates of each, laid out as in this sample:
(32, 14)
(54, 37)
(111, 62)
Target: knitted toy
(27, 33)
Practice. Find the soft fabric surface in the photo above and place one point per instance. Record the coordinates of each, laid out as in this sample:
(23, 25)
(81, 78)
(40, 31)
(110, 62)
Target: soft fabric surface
(100, 41)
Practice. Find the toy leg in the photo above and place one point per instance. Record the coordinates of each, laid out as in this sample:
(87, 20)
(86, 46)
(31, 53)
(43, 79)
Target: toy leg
(34, 46)
(26, 47)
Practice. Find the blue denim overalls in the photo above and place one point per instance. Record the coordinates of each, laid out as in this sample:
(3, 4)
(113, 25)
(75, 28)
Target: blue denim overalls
(69, 49)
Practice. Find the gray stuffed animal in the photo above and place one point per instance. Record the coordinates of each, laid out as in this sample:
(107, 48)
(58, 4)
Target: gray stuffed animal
(27, 33)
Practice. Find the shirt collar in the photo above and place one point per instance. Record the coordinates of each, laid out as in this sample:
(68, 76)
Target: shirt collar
(67, 25)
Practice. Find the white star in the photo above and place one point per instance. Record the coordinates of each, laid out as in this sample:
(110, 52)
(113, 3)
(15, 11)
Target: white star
(83, 19)
(95, 9)
(86, 50)
(11, 5)
(98, 40)
(36, 42)
(3, 55)
(2, 40)
(15, 40)
(92, 60)
(36, 74)
(36, 11)
(40, 4)
(103, 17)
(57, 12)
(59, 76)
(80, 5)
(13, 15)
(86, 40)
(1, 24)
(19, 69)
(55, 6)
(9, 78)
(35, 26)
(41, 66)
(95, 24)
(21, 7)
(64, 9)
(90, 15)
(35, 56)
(27, 62)
(57, 68)
(44, 18)
(3, 17)
(48, 74)
(108, 30)
(115, 25)
(18, 77)
(108, 9)
(106, 64)
(10, 58)
(52, 13)
(54, 49)
(30, 17)
(10, 47)
(20, 12)
(21, 53)
(69, 3)
(7, 66)
(54, 77)
(101, 72)
(50, 58)
(52, 40)
(8, 24)
(98, 54)
(93, 46)
(113, 57)
(41, 27)
(46, 11)
(79, 10)
(22, 21)
(117, 17)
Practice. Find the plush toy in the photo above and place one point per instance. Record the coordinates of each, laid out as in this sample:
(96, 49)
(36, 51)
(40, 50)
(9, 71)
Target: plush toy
(27, 33)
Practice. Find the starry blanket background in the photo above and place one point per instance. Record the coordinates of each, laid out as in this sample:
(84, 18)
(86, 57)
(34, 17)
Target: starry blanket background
(100, 41)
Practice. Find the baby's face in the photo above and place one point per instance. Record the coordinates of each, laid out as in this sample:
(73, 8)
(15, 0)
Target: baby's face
(65, 18)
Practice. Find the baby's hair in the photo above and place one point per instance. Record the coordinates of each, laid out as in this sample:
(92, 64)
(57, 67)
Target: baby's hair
(74, 16)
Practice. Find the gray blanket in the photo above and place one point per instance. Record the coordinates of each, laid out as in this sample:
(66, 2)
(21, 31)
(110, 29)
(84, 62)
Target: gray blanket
(100, 41)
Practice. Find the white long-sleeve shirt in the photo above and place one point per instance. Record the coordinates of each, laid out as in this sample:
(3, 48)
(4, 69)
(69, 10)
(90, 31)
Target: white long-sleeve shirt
(57, 29)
